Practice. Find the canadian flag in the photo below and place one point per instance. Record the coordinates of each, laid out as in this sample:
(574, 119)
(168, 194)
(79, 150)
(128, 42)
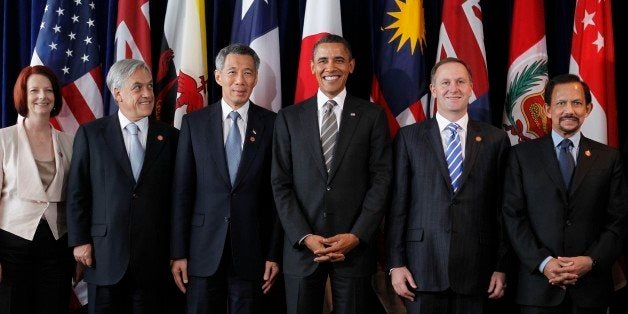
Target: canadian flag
(593, 59)
(322, 17)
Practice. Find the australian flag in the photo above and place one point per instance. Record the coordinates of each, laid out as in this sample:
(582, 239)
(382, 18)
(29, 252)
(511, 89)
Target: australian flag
(255, 24)
(67, 43)
(400, 82)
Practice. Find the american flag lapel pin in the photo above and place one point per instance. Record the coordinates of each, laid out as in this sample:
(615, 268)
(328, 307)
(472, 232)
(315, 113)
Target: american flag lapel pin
(352, 114)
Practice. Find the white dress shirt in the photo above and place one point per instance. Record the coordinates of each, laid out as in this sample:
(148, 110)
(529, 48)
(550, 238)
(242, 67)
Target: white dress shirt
(445, 134)
(226, 121)
(321, 99)
(142, 132)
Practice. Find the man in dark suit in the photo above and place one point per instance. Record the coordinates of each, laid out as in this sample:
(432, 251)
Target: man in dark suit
(226, 238)
(331, 174)
(118, 198)
(446, 248)
(565, 205)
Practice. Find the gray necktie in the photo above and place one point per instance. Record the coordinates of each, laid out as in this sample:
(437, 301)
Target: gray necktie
(233, 146)
(136, 151)
(329, 131)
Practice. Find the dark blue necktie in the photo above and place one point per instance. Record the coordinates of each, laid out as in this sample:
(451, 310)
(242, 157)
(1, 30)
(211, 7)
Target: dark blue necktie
(233, 146)
(566, 162)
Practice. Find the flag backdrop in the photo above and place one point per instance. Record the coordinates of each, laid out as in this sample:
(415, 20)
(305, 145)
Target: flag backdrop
(322, 17)
(255, 24)
(593, 58)
(462, 36)
(68, 44)
(183, 60)
(400, 80)
(524, 108)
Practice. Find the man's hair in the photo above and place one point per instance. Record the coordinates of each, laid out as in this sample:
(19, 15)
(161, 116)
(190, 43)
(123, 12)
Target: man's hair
(564, 79)
(449, 60)
(122, 70)
(333, 39)
(237, 49)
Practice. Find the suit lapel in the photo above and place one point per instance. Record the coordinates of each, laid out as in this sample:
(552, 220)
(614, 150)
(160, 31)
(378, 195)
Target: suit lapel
(586, 158)
(473, 143)
(549, 162)
(309, 120)
(154, 145)
(348, 122)
(436, 144)
(254, 132)
(112, 133)
(214, 137)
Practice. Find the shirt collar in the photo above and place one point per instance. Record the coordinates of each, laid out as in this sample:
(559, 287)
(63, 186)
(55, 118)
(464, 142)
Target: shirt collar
(142, 123)
(575, 139)
(443, 122)
(243, 110)
(321, 99)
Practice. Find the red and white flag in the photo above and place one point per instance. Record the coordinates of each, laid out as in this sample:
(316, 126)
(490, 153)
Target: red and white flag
(322, 17)
(593, 59)
(524, 109)
(462, 36)
(133, 31)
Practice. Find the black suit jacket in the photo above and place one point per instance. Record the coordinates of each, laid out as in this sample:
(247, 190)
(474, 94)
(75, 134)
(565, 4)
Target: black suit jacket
(206, 206)
(544, 220)
(126, 221)
(350, 199)
(446, 239)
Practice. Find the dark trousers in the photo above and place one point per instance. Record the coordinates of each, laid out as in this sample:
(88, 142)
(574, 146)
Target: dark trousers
(36, 275)
(127, 296)
(224, 291)
(349, 294)
(566, 307)
(445, 302)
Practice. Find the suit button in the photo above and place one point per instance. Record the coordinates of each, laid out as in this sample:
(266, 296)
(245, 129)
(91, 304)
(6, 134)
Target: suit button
(227, 219)
(568, 222)
(447, 229)
(324, 214)
(135, 195)
(329, 188)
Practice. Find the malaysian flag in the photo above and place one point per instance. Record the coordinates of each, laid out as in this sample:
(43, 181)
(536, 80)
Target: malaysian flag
(67, 44)
(255, 24)
(462, 37)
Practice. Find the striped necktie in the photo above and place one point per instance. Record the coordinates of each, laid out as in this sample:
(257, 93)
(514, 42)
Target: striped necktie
(329, 131)
(453, 155)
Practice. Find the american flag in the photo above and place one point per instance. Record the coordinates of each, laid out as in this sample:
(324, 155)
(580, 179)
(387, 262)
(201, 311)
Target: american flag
(67, 44)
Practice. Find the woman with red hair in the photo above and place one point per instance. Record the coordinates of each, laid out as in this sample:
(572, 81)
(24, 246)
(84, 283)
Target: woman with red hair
(35, 262)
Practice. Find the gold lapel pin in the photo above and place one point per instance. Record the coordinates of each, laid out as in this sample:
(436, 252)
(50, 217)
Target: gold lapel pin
(160, 137)
(587, 153)
(478, 138)
(252, 139)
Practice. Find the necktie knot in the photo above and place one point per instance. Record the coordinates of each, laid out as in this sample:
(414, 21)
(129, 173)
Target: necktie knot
(565, 144)
(453, 128)
(132, 128)
(234, 115)
(329, 105)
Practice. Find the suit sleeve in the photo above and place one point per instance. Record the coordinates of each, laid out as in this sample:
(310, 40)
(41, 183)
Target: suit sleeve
(609, 244)
(530, 251)
(184, 191)
(397, 216)
(380, 167)
(290, 213)
(79, 192)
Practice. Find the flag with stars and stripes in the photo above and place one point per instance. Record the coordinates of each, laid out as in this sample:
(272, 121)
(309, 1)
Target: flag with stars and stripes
(255, 24)
(593, 59)
(67, 44)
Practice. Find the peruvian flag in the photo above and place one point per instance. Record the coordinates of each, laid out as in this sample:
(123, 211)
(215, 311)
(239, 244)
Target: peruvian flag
(322, 17)
(462, 36)
(593, 58)
(524, 108)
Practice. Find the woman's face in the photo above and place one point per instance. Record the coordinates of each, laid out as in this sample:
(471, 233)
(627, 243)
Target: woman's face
(40, 96)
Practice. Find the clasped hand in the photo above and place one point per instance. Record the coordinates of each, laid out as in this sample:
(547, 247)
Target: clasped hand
(564, 271)
(331, 249)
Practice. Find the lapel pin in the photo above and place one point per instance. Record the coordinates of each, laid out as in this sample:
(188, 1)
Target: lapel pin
(160, 137)
(252, 139)
(352, 114)
(254, 132)
(478, 138)
(61, 154)
(587, 153)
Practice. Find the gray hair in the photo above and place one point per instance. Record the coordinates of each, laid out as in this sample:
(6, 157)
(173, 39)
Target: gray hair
(122, 70)
(237, 49)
